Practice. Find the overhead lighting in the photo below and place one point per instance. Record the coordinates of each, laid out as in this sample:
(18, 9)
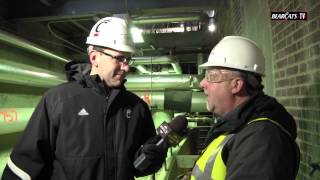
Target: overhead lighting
(211, 13)
(212, 27)
(136, 35)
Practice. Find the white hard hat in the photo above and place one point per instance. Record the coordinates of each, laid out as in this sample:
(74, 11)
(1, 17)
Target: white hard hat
(111, 32)
(237, 52)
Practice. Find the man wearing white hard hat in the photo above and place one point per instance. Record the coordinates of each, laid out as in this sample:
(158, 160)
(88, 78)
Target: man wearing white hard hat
(90, 128)
(254, 137)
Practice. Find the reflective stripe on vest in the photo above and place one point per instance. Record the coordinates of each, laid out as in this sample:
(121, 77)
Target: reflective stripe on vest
(210, 165)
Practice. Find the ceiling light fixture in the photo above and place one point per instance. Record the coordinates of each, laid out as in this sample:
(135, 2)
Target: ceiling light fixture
(211, 25)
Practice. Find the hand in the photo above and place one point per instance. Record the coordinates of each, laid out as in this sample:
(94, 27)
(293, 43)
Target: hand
(156, 153)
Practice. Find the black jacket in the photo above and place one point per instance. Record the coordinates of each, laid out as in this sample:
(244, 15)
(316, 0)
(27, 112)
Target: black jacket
(259, 150)
(80, 130)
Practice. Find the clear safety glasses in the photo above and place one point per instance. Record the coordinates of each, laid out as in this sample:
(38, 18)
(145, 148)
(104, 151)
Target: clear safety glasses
(217, 76)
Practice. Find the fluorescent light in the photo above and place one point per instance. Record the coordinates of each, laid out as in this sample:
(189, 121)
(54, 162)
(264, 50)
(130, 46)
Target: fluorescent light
(136, 35)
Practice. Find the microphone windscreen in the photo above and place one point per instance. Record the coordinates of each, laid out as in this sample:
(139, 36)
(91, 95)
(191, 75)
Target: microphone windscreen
(179, 124)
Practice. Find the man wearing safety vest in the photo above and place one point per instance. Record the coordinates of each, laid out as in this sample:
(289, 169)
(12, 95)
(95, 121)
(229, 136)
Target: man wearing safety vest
(254, 138)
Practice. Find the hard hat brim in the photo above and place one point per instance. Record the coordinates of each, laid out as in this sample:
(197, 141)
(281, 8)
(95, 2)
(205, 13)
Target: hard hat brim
(206, 65)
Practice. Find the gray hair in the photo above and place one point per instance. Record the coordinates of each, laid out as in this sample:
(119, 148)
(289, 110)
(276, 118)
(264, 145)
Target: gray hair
(252, 81)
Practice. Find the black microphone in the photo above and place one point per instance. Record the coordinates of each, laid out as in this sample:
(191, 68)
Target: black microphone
(171, 134)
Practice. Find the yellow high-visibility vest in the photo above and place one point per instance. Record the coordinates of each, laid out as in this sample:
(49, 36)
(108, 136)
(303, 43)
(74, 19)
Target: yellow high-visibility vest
(210, 165)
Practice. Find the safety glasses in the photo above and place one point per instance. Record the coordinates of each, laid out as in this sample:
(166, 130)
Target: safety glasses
(217, 76)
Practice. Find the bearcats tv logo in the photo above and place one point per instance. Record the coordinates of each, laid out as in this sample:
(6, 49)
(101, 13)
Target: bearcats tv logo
(288, 16)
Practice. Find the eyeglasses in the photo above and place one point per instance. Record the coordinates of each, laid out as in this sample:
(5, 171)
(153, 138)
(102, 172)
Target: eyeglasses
(123, 59)
(217, 76)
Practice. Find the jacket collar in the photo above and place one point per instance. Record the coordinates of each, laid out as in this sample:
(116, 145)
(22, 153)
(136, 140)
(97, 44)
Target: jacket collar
(95, 82)
(258, 106)
(79, 71)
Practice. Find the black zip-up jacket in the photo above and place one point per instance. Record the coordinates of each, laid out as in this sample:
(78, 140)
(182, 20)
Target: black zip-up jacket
(81, 131)
(261, 149)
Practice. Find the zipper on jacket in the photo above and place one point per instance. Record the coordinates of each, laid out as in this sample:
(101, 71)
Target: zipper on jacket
(110, 153)
(105, 138)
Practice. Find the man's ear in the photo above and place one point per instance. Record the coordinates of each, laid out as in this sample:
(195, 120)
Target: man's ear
(93, 58)
(237, 85)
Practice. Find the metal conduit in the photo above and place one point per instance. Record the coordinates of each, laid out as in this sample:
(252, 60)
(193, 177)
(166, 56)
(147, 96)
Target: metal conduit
(23, 44)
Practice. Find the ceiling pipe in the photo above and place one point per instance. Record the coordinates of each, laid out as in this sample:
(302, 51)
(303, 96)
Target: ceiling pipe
(161, 82)
(177, 68)
(17, 73)
(140, 61)
(142, 69)
(152, 60)
(23, 44)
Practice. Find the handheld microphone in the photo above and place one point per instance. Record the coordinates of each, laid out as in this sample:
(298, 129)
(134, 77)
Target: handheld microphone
(171, 134)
